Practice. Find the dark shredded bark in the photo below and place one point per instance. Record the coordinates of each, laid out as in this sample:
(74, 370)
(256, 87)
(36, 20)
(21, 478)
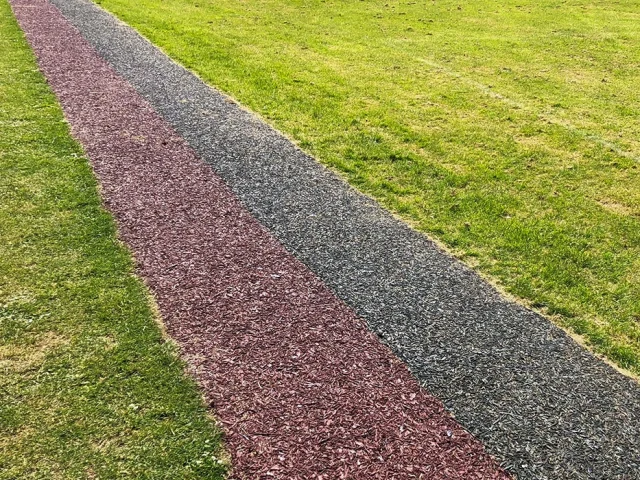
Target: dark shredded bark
(301, 387)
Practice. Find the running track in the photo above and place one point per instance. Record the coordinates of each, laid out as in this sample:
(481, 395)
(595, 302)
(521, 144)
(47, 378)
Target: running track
(265, 266)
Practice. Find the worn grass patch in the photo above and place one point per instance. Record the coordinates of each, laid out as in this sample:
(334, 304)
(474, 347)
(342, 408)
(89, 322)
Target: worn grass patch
(507, 130)
(88, 386)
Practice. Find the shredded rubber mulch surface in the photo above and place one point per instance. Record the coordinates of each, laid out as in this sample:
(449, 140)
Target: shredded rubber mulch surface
(542, 404)
(302, 388)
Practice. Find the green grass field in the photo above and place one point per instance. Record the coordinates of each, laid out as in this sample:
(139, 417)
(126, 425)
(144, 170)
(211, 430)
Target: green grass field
(88, 387)
(508, 130)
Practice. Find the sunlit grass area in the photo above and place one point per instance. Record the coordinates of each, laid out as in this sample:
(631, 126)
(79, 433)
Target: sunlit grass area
(508, 130)
(88, 386)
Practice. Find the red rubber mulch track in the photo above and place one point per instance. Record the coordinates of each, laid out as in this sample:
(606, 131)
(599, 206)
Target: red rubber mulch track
(301, 387)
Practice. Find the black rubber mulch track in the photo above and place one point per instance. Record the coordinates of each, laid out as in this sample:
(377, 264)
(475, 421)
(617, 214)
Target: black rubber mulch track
(541, 403)
(303, 389)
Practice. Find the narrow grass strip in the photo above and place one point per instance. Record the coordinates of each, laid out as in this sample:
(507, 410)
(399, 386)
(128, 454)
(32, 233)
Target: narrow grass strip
(89, 388)
(537, 399)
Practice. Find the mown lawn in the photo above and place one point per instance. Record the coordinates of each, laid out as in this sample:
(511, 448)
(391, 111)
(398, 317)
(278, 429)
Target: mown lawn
(88, 386)
(509, 130)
